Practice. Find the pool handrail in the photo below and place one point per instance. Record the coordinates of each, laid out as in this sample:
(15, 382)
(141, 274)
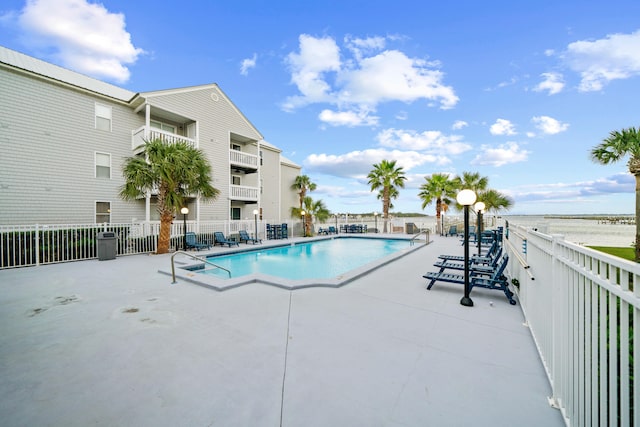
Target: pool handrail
(415, 236)
(173, 267)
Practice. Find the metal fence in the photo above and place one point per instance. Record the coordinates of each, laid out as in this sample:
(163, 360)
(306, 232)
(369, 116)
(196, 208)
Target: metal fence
(583, 310)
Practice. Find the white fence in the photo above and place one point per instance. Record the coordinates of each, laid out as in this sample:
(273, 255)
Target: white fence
(583, 309)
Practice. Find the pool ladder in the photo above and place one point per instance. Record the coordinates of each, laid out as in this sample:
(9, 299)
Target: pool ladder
(173, 266)
(426, 240)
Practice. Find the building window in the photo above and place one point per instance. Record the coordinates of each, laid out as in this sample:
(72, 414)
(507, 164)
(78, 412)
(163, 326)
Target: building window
(103, 212)
(260, 157)
(236, 147)
(162, 126)
(103, 117)
(235, 213)
(235, 180)
(103, 165)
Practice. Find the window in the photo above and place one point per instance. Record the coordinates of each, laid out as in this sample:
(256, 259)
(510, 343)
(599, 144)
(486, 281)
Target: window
(103, 212)
(236, 147)
(162, 126)
(235, 180)
(260, 157)
(103, 117)
(103, 165)
(235, 213)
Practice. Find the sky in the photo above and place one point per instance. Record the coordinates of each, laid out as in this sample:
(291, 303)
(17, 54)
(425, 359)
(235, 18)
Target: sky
(518, 91)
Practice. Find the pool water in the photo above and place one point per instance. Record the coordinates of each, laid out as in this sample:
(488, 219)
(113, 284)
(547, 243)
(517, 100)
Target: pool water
(313, 260)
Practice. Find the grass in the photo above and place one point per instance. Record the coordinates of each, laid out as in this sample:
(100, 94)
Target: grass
(624, 253)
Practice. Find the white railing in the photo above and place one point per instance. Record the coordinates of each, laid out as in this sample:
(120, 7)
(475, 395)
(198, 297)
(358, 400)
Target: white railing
(583, 309)
(243, 192)
(243, 159)
(139, 135)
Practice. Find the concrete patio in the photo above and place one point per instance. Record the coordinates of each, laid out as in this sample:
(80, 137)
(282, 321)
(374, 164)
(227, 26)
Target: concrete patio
(114, 343)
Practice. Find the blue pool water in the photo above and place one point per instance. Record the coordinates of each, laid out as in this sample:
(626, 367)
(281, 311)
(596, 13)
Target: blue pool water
(313, 260)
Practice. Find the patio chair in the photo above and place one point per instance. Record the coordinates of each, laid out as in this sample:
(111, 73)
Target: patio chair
(497, 281)
(332, 230)
(192, 242)
(453, 231)
(219, 238)
(244, 237)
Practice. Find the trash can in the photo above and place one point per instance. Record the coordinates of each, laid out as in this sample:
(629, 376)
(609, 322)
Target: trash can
(412, 228)
(106, 246)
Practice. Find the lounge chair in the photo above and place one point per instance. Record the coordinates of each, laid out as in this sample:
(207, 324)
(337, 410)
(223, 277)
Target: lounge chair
(192, 242)
(497, 281)
(476, 266)
(219, 238)
(244, 237)
(482, 259)
(453, 231)
(332, 230)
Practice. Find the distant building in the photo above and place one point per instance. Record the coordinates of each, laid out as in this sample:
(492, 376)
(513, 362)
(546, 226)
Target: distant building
(64, 137)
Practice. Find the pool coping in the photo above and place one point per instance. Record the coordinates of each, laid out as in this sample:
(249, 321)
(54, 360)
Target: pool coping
(186, 269)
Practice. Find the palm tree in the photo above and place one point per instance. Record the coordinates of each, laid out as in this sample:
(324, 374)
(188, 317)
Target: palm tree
(442, 189)
(386, 177)
(176, 171)
(618, 145)
(302, 184)
(494, 200)
(312, 208)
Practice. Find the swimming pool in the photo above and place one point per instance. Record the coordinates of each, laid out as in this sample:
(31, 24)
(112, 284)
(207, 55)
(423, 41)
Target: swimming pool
(322, 262)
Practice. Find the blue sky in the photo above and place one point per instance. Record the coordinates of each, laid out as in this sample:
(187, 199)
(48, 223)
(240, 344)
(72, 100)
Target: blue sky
(517, 91)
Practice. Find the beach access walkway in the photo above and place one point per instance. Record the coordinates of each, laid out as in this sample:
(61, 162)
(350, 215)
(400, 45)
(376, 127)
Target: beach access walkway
(114, 343)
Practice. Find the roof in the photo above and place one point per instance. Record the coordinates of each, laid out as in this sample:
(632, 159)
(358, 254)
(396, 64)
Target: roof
(28, 63)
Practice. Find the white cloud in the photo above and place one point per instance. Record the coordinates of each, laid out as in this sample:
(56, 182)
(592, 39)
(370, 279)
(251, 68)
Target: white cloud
(549, 125)
(616, 56)
(366, 79)
(502, 127)
(247, 64)
(459, 124)
(552, 83)
(501, 155)
(87, 37)
(432, 141)
(348, 118)
(357, 164)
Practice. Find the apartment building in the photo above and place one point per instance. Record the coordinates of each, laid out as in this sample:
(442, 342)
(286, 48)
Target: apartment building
(64, 137)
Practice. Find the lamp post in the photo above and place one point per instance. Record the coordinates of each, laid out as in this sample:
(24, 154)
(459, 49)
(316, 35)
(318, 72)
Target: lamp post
(336, 215)
(184, 211)
(255, 220)
(479, 207)
(375, 217)
(466, 199)
(304, 228)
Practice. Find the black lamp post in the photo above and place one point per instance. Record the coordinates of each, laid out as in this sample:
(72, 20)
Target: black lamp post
(479, 207)
(184, 211)
(466, 199)
(255, 219)
(304, 226)
(375, 217)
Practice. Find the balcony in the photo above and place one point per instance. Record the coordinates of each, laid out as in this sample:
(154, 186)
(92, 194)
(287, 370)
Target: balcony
(243, 193)
(139, 135)
(248, 163)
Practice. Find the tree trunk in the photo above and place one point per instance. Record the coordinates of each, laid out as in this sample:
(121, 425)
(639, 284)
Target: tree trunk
(385, 207)
(637, 217)
(165, 233)
(439, 229)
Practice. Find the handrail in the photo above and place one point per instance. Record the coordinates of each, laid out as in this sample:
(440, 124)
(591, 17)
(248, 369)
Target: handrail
(173, 267)
(426, 240)
(522, 261)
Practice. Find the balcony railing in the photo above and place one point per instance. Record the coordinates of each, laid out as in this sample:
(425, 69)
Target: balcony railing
(243, 160)
(139, 135)
(241, 192)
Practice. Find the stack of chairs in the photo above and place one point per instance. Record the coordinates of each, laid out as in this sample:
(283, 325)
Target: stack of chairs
(485, 271)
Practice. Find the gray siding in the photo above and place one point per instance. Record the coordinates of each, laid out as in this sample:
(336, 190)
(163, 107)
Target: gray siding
(48, 141)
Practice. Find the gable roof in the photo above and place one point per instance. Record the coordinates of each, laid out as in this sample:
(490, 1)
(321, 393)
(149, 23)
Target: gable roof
(24, 62)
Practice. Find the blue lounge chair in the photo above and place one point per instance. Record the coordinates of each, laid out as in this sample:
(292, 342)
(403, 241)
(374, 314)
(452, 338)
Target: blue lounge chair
(244, 237)
(477, 266)
(332, 230)
(482, 259)
(192, 242)
(497, 281)
(219, 238)
(453, 231)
